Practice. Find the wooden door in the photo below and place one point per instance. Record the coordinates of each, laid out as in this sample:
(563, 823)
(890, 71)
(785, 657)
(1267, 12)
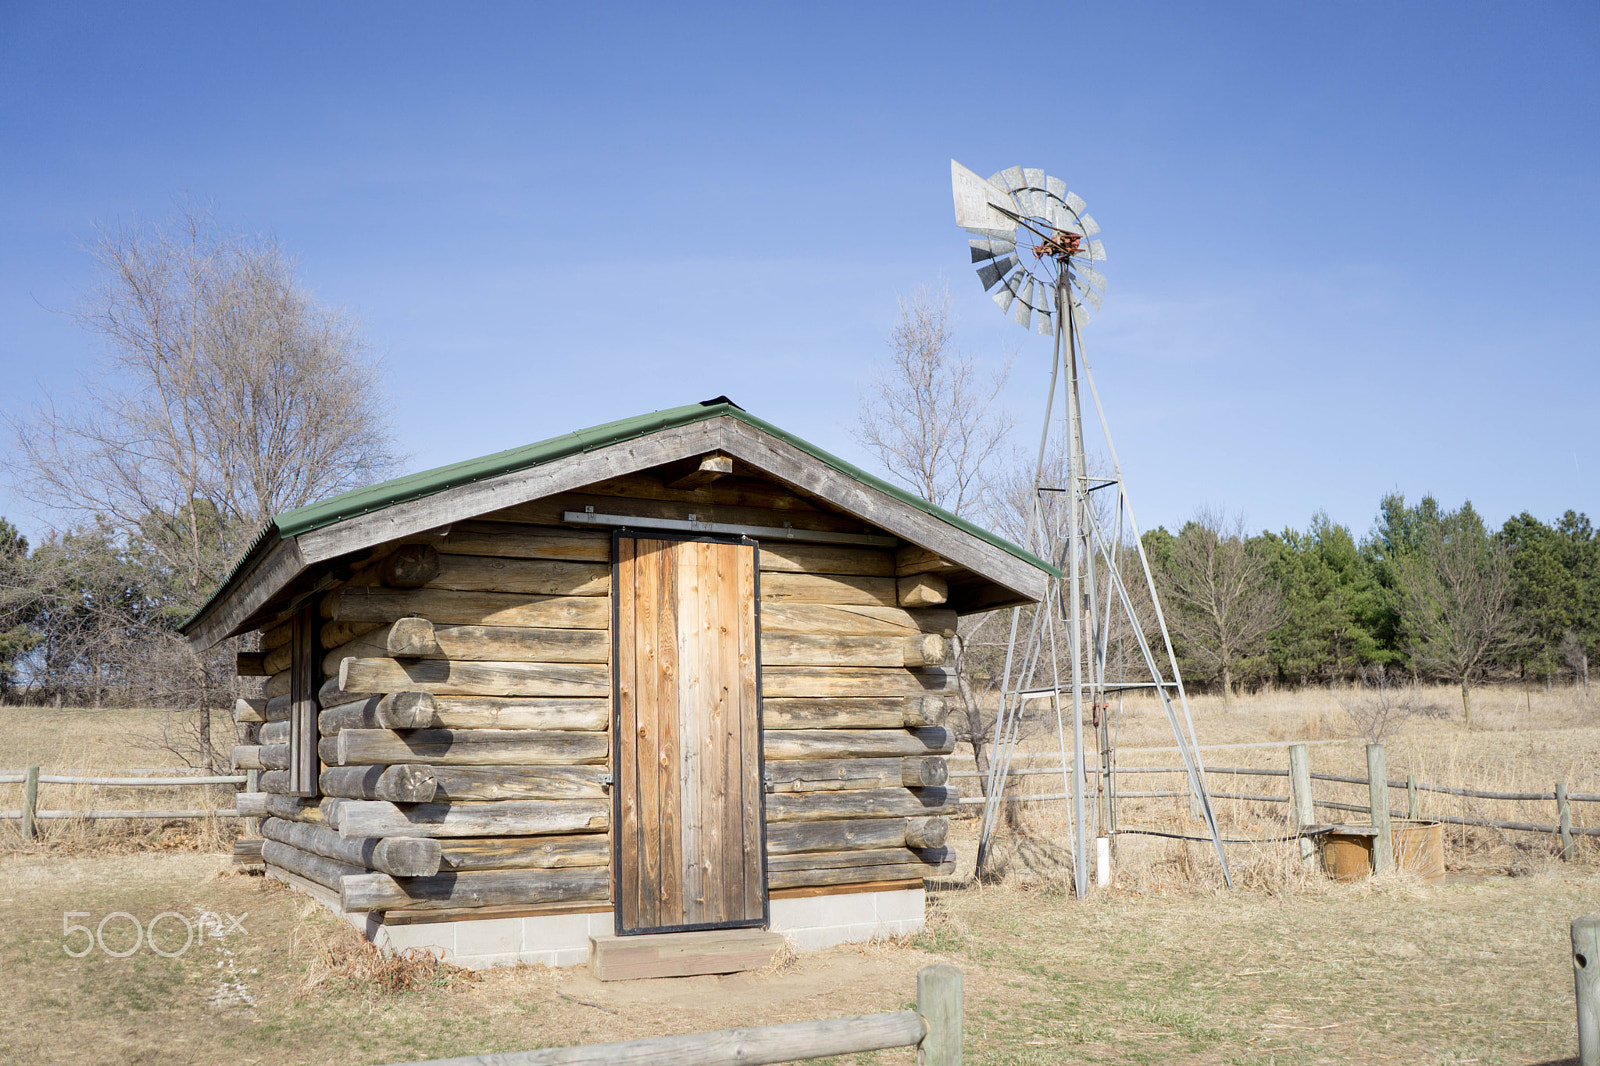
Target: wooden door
(689, 839)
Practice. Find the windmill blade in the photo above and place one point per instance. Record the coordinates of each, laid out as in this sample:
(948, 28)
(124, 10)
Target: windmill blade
(1057, 188)
(991, 273)
(1024, 309)
(1005, 234)
(1034, 177)
(1009, 179)
(1064, 220)
(1095, 251)
(1032, 202)
(1090, 226)
(989, 249)
(978, 203)
(1092, 298)
(1008, 292)
(1074, 201)
(1044, 323)
(1088, 275)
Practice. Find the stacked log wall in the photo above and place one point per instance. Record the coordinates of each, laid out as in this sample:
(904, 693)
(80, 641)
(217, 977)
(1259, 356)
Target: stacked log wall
(467, 709)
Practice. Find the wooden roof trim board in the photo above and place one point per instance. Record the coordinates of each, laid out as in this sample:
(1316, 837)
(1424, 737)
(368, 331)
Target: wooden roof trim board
(252, 591)
(266, 571)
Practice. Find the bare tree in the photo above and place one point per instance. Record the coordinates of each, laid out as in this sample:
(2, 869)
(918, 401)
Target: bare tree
(226, 395)
(1455, 596)
(936, 428)
(1576, 655)
(1222, 601)
(1381, 706)
(930, 421)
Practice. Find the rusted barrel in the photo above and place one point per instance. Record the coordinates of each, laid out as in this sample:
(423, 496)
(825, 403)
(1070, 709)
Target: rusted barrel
(1418, 849)
(1347, 854)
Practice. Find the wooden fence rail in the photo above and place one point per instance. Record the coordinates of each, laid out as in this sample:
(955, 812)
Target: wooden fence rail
(124, 782)
(934, 1029)
(1411, 786)
(1250, 771)
(30, 814)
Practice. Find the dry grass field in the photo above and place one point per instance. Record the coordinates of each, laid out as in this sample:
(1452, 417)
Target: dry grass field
(1163, 967)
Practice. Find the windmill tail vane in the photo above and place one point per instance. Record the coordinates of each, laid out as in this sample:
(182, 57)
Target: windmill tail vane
(1033, 245)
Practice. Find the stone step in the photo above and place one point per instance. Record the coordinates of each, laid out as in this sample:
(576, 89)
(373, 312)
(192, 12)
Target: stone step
(630, 958)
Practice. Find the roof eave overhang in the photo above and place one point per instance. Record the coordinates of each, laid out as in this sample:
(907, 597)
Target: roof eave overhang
(279, 563)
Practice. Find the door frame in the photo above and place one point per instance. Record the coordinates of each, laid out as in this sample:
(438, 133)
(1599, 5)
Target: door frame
(645, 532)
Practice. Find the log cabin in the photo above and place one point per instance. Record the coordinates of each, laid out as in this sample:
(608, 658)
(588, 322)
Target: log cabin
(674, 676)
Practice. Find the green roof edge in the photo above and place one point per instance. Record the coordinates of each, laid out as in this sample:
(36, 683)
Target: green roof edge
(425, 483)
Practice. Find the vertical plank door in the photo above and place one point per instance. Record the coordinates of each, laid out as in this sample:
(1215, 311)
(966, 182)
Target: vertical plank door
(689, 833)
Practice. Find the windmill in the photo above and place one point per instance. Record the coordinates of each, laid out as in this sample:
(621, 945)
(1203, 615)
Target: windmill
(1032, 243)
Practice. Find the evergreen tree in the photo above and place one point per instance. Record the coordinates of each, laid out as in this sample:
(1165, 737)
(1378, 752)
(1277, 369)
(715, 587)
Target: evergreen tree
(16, 605)
(1556, 578)
(1333, 602)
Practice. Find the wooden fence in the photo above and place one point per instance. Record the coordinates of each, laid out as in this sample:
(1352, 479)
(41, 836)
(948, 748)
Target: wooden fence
(1560, 796)
(31, 779)
(933, 1028)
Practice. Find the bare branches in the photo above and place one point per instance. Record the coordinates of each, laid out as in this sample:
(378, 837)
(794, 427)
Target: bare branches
(1381, 706)
(1223, 601)
(929, 419)
(1455, 595)
(226, 396)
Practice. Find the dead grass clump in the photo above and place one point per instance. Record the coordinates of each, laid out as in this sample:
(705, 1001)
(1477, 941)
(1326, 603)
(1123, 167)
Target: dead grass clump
(784, 960)
(341, 958)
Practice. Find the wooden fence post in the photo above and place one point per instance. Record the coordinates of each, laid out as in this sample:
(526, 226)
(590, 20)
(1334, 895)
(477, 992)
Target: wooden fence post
(252, 783)
(1300, 806)
(1569, 850)
(1413, 801)
(1585, 978)
(939, 1003)
(1378, 797)
(30, 804)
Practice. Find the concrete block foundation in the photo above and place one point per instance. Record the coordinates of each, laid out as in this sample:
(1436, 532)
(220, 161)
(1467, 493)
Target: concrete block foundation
(811, 923)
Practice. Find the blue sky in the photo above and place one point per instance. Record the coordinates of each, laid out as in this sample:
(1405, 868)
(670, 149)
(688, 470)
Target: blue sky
(1352, 247)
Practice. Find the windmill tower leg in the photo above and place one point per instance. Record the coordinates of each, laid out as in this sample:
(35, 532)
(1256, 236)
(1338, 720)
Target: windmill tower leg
(1075, 560)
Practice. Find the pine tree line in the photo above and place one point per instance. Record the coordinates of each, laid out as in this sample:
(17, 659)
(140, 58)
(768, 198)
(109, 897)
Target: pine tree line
(1430, 592)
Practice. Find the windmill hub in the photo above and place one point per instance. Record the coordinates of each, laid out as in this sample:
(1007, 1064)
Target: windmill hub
(1023, 209)
(1060, 246)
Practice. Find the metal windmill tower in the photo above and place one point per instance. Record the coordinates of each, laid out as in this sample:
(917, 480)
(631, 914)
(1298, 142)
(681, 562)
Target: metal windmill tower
(1032, 244)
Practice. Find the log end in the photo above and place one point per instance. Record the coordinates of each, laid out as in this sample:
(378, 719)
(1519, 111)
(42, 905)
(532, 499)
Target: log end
(408, 856)
(410, 709)
(411, 638)
(250, 710)
(408, 784)
(922, 590)
(926, 832)
(409, 566)
(923, 771)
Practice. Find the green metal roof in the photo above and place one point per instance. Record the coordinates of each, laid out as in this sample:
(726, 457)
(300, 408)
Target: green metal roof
(415, 486)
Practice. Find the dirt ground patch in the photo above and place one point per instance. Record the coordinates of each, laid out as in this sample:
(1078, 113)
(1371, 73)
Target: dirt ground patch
(1475, 970)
